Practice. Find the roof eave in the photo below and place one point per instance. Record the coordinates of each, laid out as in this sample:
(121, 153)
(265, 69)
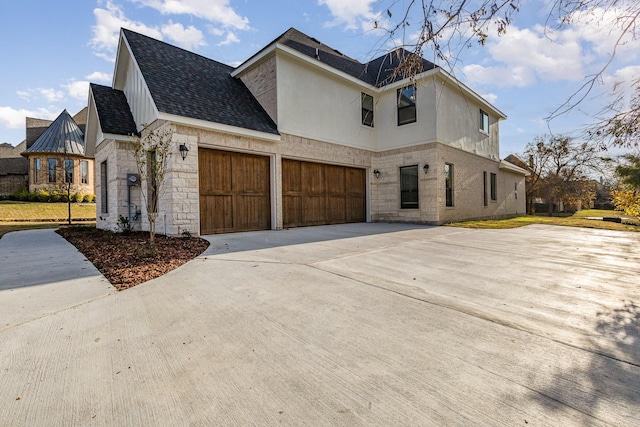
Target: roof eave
(513, 168)
(464, 88)
(220, 127)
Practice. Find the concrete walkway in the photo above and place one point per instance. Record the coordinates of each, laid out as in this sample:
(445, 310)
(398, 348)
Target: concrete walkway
(366, 324)
(40, 274)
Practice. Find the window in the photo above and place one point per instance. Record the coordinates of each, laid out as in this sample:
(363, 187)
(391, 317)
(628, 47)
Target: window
(494, 187)
(484, 188)
(515, 189)
(152, 186)
(68, 171)
(409, 187)
(36, 168)
(104, 205)
(367, 109)
(52, 170)
(406, 105)
(484, 122)
(84, 171)
(448, 183)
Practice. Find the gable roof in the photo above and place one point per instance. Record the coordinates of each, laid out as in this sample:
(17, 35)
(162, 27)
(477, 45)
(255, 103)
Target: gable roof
(186, 84)
(378, 72)
(62, 136)
(113, 110)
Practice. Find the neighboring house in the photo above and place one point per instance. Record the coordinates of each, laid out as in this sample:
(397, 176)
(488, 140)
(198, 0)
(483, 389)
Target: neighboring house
(14, 169)
(56, 154)
(299, 134)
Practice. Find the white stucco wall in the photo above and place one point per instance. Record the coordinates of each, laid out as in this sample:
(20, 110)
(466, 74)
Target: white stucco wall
(314, 103)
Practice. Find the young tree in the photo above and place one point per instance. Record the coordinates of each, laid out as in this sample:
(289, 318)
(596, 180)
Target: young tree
(152, 154)
(627, 197)
(559, 170)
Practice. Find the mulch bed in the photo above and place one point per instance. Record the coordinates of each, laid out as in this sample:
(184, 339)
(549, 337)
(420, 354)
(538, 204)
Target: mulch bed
(127, 260)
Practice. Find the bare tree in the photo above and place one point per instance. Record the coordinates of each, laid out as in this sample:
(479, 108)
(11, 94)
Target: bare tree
(559, 170)
(152, 154)
(444, 28)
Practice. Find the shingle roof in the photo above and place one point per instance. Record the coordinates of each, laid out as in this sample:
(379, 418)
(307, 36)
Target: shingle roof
(62, 136)
(14, 166)
(189, 85)
(113, 110)
(377, 72)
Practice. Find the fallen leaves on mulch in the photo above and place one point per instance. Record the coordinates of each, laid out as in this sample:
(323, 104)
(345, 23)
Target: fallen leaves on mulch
(127, 260)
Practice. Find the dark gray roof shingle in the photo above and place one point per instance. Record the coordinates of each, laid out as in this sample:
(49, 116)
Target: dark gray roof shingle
(377, 72)
(14, 166)
(62, 136)
(189, 85)
(113, 110)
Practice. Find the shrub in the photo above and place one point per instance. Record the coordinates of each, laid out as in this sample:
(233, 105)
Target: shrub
(21, 195)
(76, 198)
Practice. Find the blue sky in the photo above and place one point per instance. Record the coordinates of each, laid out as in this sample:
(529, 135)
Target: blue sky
(51, 50)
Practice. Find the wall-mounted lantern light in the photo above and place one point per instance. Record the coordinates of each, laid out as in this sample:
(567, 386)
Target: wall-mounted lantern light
(425, 168)
(183, 151)
(376, 172)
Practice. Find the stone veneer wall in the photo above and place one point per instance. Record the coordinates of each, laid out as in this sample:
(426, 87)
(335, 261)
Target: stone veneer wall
(262, 82)
(43, 183)
(11, 183)
(119, 160)
(179, 206)
(468, 199)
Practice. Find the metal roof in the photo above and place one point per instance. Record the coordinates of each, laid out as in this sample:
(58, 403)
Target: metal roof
(62, 136)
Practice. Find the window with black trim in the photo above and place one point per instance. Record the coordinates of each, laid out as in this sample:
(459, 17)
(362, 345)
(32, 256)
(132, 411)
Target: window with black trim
(515, 189)
(104, 205)
(84, 171)
(367, 109)
(448, 184)
(409, 187)
(36, 167)
(68, 171)
(406, 105)
(52, 170)
(485, 193)
(484, 122)
(494, 187)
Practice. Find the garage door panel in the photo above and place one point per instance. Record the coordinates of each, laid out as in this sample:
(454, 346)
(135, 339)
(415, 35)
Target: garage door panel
(316, 193)
(313, 179)
(234, 192)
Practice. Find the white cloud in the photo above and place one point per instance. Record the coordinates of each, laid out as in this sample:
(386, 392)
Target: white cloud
(214, 11)
(78, 90)
(24, 94)
(187, 38)
(523, 56)
(99, 76)
(231, 38)
(354, 14)
(491, 98)
(15, 119)
(107, 29)
(51, 94)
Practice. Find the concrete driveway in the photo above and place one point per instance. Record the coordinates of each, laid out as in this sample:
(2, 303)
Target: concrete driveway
(366, 324)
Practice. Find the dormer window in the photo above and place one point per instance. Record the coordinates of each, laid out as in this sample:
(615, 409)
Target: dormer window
(367, 109)
(484, 122)
(406, 105)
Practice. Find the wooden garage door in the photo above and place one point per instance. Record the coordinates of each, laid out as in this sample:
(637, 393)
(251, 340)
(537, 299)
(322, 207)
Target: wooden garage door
(316, 194)
(234, 192)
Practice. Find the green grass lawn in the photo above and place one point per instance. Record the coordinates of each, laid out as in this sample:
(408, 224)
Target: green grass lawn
(27, 211)
(15, 216)
(576, 220)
